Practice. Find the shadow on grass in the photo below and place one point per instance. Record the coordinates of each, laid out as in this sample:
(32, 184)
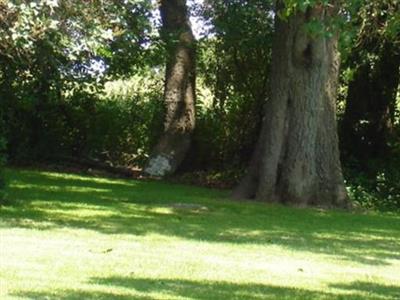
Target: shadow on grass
(373, 289)
(208, 290)
(47, 200)
(79, 295)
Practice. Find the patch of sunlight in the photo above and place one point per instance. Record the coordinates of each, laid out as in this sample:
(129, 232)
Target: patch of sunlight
(119, 249)
(358, 236)
(51, 206)
(77, 212)
(130, 183)
(245, 233)
(85, 189)
(59, 188)
(160, 267)
(161, 210)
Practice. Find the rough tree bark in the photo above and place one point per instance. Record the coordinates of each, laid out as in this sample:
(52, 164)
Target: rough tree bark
(179, 90)
(297, 157)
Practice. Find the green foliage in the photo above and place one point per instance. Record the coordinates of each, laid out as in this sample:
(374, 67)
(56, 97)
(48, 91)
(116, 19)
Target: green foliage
(82, 79)
(233, 69)
(77, 31)
(368, 37)
(2, 162)
(368, 25)
(369, 79)
(291, 7)
(130, 115)
(118, 125)
(377, 188)
(54, 60)
(3, 146)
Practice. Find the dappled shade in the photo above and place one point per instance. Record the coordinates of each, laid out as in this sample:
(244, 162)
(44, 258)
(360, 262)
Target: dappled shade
(47, 200)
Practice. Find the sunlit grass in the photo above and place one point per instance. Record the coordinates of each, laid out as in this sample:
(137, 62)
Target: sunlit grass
(76, 237)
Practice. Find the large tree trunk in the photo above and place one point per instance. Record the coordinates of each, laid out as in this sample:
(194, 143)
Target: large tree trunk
(179, 91)
(297, 158)
(371, 104)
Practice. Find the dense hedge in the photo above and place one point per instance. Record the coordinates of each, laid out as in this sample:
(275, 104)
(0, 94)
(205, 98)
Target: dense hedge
(118, 124)
(2, 161)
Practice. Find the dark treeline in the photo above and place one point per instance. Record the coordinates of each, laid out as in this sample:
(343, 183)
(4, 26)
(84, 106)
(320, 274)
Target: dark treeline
(128, 84)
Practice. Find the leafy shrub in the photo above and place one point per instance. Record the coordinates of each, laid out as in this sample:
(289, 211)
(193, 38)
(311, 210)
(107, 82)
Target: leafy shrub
(129, 120)
(224, 139)
(52, 70)
(118, 124)
(2, 162)
(377, 188)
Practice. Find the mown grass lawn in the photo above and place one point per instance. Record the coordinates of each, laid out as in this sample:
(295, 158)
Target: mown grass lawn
(78, 237)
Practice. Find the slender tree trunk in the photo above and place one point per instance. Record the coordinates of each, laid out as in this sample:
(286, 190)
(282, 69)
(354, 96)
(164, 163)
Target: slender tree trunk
(371, 103)
(297, 158)
(179, 90)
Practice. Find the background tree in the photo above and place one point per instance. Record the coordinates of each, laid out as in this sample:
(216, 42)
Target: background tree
(83, 81)
(234, 56)
(54, 59)
(374, 65)
(179, 90)
(297, 160)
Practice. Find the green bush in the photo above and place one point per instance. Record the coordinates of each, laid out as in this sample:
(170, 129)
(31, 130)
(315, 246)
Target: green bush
(225, 139)
(2, 162)
(129, 120)
(2, 157)
(377, 188)
(118, 124)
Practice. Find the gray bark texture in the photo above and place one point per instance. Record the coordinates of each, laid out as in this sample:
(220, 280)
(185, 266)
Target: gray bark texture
(179, 90)
(297, 157)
